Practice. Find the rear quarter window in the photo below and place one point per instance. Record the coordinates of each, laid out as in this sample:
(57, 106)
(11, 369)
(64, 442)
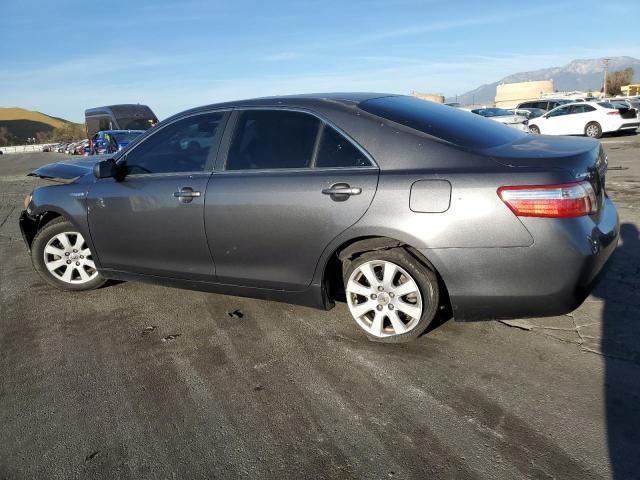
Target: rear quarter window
(335, 151)
(450, 124)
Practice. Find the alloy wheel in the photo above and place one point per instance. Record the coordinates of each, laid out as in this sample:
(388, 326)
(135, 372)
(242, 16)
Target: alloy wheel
(68, 258)
(592, 131)
(384, 298)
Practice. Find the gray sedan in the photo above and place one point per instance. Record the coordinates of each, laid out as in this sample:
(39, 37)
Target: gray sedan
(400, 207)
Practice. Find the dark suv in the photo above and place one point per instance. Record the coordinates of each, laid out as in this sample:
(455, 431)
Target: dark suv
(399, 206)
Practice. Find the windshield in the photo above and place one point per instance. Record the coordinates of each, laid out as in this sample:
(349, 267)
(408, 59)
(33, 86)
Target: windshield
(446, 123)
(126, 137)
(135, 123)
(491, 112)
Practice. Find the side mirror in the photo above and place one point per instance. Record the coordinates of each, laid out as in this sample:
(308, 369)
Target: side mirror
(105, 169)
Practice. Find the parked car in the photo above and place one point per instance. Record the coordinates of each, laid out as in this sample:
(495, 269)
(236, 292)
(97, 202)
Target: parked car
(585, 118)
(545, 104)
(111, 141)
(503, 116)
(527, 112)
(401, 207)
(81, 147)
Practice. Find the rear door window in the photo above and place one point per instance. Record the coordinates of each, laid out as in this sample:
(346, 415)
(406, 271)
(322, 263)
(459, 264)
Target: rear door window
(273, 139)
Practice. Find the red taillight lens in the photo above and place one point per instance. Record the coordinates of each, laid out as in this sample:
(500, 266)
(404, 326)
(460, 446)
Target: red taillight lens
(556, 201)
(613, 113)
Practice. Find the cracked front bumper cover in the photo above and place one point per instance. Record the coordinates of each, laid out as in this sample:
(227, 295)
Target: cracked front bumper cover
(28, 228)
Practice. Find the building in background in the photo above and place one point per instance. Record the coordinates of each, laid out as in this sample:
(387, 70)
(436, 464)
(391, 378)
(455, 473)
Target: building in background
(508, 95)
(428, 96)
(631, 90)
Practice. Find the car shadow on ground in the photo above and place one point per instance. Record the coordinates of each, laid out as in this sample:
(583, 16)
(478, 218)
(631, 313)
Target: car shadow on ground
(620, 346)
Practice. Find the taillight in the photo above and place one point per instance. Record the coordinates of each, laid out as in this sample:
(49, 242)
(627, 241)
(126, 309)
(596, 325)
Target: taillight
(617, 112)
(556, 201)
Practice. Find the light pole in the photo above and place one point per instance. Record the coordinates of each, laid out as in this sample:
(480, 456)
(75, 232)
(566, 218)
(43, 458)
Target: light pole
(606, 68)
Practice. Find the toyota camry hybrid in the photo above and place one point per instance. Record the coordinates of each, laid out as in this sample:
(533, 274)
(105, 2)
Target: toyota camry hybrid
(398, 206)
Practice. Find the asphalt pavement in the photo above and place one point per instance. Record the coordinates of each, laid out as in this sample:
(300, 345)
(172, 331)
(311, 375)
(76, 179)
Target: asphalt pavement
(137, 381)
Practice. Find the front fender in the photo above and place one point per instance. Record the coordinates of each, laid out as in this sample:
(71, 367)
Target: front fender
(65, 200)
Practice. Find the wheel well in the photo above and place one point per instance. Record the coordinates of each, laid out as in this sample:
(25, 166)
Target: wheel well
(347, 252)
(38, 223)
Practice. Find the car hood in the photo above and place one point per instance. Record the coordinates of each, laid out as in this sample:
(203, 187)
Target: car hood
(68, 169)
(545, 151)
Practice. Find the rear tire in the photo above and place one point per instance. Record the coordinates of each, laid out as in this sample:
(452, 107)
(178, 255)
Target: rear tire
(391, 295)
(593, 130)
(60, 255)
(534, 129)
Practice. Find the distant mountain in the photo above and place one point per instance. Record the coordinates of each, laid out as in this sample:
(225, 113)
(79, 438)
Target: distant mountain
(21, 124)
(581, 75)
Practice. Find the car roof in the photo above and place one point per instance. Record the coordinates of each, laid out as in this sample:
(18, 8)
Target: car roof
(590, 102)
(308, 100)
(548, 100)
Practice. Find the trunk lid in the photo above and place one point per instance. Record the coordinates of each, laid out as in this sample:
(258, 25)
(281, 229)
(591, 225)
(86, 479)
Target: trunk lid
(584, 158)
(627, 112)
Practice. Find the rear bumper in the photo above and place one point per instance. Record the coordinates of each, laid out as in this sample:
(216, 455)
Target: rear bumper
(551, 277)
(629, 126)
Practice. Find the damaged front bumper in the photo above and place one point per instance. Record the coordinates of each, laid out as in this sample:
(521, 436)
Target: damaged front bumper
(28, 227)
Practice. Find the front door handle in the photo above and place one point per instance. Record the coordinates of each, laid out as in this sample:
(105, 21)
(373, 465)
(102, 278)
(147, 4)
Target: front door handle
(186, 194)
(342, 189)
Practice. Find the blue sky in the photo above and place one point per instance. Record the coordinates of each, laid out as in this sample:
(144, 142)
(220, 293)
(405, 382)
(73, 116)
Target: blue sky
(60, 57)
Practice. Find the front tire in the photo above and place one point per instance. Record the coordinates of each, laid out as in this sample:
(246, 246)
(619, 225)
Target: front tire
(61, 256)
(534, 129)
(593, 130)
(391, 295)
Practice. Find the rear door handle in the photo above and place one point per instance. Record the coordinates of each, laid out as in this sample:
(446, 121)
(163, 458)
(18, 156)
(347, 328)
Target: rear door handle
(186, 194)
(342, 189)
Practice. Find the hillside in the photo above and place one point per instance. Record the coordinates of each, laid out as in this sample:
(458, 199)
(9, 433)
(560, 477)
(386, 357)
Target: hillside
(584, 75)
(18, 124)
(15, 113)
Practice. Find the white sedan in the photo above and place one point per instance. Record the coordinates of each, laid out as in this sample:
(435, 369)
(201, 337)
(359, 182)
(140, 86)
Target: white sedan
(503, 116)
(585, 118)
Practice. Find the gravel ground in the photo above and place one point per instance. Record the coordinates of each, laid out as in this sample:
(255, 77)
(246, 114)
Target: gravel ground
(138, 381)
